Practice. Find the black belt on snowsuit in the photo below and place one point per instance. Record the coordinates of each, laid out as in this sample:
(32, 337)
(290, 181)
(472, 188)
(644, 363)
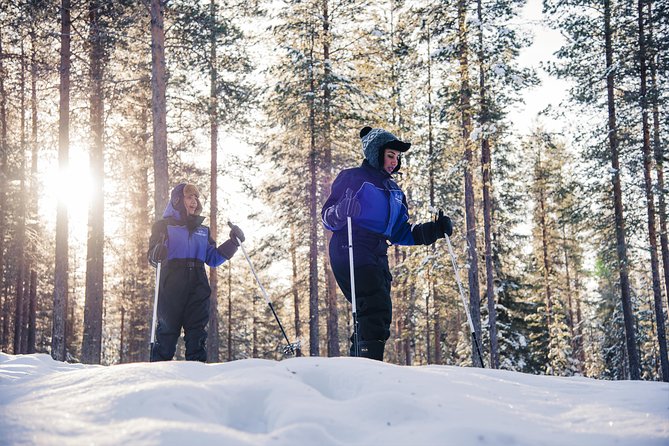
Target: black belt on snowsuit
(185, 263)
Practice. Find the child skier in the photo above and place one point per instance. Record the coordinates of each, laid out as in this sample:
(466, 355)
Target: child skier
(184, 245)
(379, 213)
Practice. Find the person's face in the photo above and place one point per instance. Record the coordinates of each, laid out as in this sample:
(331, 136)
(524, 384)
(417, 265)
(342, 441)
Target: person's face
(190, 201)
(390, 159)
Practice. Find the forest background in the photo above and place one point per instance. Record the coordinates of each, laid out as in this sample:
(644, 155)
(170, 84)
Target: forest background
(560, 219)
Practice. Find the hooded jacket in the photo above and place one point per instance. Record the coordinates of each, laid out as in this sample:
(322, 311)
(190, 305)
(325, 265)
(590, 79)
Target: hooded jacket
(184, 236)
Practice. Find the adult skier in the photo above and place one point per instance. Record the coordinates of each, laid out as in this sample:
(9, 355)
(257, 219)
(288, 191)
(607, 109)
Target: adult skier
(379, 213)
(183, 245)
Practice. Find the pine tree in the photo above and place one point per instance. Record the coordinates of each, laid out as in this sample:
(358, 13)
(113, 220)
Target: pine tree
(60, 294)
(650, 195)
(576, 63)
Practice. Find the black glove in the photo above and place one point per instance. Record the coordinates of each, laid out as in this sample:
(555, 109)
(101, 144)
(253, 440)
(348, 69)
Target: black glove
(157, 254)
(236, 233)
(428, 233)
(445, 224)
(349, 206)
(228, 248)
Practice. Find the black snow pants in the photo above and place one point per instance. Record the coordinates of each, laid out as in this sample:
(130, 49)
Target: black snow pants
(183, 302)
(372, 287)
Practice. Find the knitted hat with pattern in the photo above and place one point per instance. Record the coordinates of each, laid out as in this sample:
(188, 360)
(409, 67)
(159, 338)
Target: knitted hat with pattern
(375, 141)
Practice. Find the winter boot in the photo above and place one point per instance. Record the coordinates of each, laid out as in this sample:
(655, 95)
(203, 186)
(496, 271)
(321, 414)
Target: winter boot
(370, 349)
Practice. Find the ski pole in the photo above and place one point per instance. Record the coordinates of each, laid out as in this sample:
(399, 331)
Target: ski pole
(356, 348)
(464, 302)
(292, 346)
(155, 311)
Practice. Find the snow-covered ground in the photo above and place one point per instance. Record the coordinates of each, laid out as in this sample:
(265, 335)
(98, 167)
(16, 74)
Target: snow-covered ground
(319, 401)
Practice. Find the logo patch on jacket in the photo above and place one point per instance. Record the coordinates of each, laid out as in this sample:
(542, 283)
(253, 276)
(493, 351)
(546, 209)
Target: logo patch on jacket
(202, 232)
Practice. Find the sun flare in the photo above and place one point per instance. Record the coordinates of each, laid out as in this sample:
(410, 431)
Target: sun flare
(73, 185)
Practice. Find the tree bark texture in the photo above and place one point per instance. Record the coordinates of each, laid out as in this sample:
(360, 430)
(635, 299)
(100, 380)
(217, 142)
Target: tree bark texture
(314, 349)
(91, 347)
(659, 155)
(159, 107)
(213, 338)
(60, 289)
(621, 246)
(470, 211)
(647, 169)
(295, 287)
(486, 164)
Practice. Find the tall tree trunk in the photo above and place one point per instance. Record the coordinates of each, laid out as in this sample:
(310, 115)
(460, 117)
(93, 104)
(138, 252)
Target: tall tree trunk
(621, 246)
(545, 242)
(296, 294)
(314, 349)
(647, 168)
(658, 150)
(431, 162)
(34, 191)
(60, 289)
(570, 290)
(470, 212)
(3, 197)
(486, 165)
(159, 106)
(20, 255)
(213, 339)
(91, 347)
(326, 166)
(144, 223)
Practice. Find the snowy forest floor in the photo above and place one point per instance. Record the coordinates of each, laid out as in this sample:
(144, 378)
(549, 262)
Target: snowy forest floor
(319, 401)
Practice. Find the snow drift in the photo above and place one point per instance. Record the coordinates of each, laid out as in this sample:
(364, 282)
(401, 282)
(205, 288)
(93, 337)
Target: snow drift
(319, 401)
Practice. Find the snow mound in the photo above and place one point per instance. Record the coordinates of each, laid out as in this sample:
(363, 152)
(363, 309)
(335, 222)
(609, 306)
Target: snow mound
(319, 401)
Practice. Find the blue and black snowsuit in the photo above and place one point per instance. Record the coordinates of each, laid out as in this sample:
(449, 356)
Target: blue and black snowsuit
(383, 217)
(183, 299)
